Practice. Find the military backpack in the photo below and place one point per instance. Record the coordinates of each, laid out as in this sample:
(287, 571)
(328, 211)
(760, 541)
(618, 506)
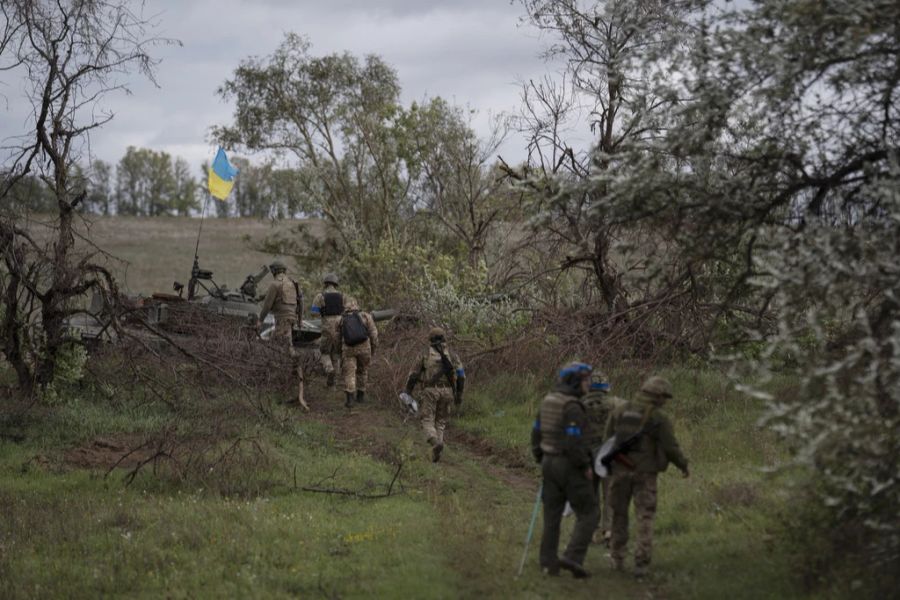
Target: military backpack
(353, 331)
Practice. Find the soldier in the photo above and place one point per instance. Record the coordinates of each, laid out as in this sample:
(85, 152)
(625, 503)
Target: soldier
(359, 339)
(284, 299)
(646, 444)
(599, 406)
(443, 380)
(559, 444)
(329, 304)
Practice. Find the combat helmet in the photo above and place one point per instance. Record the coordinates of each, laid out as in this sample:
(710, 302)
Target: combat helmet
(657, 387)
(331, 278)
(571, 375)
(277, 267)
(436, 334)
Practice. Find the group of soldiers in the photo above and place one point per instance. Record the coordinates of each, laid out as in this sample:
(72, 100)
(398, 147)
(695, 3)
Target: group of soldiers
(349, 335)
(578, 420)
(349, 340)
(635, 439)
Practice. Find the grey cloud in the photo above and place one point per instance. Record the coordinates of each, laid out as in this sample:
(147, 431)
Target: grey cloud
(468, 51)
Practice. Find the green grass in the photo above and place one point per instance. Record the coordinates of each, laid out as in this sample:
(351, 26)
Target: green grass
(455, 530)
(717, 532)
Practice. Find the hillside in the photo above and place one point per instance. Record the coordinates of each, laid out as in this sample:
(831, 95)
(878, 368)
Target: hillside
(148, 254)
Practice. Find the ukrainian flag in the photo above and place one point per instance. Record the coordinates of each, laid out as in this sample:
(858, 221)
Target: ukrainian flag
(221, 176)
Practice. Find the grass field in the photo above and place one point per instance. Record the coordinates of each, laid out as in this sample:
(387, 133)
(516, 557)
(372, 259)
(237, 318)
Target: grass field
(454, 530)
(148, 255)
(79, 519)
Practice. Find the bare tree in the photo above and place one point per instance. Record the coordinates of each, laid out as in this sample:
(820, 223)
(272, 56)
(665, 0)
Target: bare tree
(614, 52)
(69, 55)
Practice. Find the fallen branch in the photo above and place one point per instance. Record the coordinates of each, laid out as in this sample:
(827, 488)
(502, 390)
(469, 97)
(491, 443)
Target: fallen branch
(356, 493)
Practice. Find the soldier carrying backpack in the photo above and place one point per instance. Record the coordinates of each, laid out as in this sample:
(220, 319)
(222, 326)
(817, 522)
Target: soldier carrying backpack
(358, 339)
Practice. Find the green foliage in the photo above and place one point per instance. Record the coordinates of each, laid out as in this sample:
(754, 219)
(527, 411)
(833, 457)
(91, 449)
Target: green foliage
(149, 183)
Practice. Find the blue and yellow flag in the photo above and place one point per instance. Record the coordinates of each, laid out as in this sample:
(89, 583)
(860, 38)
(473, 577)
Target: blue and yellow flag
(221, 176)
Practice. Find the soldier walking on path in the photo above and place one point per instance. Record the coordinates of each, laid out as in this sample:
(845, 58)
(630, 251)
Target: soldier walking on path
(443, 380)
(559, 444)
(329, 304)
(600, 405)
(359, 339)
(284, 300)
(646, 443)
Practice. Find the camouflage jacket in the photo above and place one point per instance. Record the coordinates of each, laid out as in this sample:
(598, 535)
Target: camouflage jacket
(657, 446)
(281, 299)
(368, 321)
(599, 406)
(429, 370)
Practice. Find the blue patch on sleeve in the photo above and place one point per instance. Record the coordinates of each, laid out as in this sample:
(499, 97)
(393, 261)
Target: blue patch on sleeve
(315, 309)
(573, 431)
(537, 425)
(460, 372)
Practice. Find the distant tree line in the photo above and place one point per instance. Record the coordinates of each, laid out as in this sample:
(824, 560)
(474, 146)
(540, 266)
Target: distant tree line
(154, 183)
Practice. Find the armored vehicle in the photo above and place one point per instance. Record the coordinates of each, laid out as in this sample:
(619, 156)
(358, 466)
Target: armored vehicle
(207, 305)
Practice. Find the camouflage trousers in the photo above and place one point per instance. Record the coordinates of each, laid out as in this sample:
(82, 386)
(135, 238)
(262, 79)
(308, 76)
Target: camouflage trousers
(641, 487)
(434, 413)
(329, 346)
(283, 337)
(355, 364)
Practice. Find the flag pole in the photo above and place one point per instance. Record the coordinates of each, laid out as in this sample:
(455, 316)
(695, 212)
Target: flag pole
(195, 268)
(200, 230)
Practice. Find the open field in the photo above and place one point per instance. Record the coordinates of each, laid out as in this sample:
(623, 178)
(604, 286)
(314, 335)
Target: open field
(72, 527)
(148, 254)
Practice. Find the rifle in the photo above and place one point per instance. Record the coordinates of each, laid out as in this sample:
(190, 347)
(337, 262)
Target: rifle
(447, 366)
(619, 450)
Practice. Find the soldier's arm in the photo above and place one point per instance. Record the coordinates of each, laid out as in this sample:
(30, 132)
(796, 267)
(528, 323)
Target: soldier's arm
(269, 302)
(536, 451)
(575, 445)
(670, 445)
(414, 377)
(373, 330)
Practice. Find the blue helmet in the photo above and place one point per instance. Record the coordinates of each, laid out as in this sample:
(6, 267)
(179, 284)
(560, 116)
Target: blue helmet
(578, 369)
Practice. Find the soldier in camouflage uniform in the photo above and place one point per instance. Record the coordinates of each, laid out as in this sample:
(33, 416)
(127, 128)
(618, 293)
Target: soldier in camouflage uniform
(355, 357)
(284, 299)
(443, 380)
(635, 469)
(559, 444)
(329, 304)
(600, 405)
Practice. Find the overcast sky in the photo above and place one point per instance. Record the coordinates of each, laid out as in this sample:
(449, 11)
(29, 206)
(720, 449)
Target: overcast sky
(471, 52)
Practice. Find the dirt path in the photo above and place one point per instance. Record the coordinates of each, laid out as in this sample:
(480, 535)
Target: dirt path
(374, 429)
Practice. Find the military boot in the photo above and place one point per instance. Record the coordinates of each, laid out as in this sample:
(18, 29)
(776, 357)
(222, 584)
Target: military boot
(330, 381)
(576, 569)
(360, 396)
(349, 401)
(436, 451)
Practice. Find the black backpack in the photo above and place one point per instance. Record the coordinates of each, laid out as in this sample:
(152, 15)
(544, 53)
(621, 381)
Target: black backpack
(353, 330)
